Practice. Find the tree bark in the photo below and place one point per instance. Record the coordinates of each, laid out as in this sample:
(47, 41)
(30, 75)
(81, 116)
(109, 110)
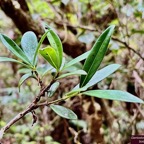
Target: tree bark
(24, 22)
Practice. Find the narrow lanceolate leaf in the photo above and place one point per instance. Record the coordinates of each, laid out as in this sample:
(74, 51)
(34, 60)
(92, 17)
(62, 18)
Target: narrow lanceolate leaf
(50, 55)
(63, 112)
(77, 59)
(6, 59)
(96, 55)
(114, 95)
(55, 42)
(29, 44)
(38, 47)
(102, 74)
(14, 48)
(78, 72)
(53, 89)
(23, 78)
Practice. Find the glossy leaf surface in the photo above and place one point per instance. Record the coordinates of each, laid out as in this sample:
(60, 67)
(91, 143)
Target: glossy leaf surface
(55, 42)
(50, 55)
(14, 48)
(96, 55)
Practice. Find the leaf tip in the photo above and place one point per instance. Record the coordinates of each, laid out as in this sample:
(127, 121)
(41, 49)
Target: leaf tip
(112, 27)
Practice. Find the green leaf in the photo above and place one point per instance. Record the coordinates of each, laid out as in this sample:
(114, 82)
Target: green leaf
(53, 89)
(96, 55)
(55, 42)
(98, 76)
(24, 70)
(63, 63)
(75, 91)
(6, 59)
(77, 59)
(102, 74)
(50, 55)
(39, 44)
(78, 72)
(114, 95)
(63, 112)
(44, 69)
(29, 44)
(14, 48)
(23, 78)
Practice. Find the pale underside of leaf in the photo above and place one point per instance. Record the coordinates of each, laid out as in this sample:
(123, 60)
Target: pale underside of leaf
(53, 89)
(114, 95)
(29, 44)
(63, 112)
(23, 78)
(102, 74)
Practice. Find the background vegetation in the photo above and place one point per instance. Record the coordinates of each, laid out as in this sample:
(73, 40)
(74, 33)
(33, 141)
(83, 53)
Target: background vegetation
(78, 24)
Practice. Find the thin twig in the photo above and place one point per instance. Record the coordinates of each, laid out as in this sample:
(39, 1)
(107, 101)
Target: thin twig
(139, 110)
(42, 92)
(133, 119)
(30, 108)
(93, 29)
(61, 23)
(129, 47)
(39, 79)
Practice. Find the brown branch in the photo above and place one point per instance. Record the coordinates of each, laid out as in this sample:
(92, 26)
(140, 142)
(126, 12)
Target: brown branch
(29, 109)
(17, 118)
(73, 26)
(34, 105)
(93, 29)
(139, 110)
(21, 19)
(24, 5)
(129, 47)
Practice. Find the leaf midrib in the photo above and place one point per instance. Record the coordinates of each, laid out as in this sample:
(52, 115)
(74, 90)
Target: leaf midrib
(94, 59)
